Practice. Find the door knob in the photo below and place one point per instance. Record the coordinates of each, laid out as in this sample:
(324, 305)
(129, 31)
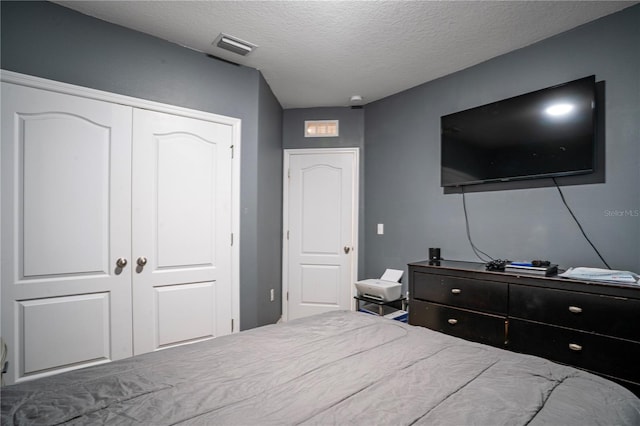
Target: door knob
(347, 249)
(121, 262)
(142, 261)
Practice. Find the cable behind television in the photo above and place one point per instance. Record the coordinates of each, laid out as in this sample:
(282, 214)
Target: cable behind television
(476, 250)
(579, 225)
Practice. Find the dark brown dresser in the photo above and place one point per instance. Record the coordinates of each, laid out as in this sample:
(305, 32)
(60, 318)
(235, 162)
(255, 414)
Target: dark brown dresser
(589, 325)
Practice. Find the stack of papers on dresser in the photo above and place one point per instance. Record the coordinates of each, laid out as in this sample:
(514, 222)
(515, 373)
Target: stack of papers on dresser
(606, 275)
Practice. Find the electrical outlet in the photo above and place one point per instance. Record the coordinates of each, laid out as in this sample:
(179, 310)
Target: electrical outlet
(273, 295)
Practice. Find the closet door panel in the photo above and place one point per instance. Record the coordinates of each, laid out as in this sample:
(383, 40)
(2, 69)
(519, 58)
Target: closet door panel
(185, 303)
(65, 220)
(185, 172)
(51, 332)
(182, 230)
(66, 189)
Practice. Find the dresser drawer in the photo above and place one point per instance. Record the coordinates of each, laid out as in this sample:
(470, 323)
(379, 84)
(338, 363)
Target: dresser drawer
(600, 354)
(608, 315)
(485, 296)
(489, 329)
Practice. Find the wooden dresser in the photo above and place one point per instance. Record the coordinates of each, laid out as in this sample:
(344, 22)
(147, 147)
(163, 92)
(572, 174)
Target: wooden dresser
(593, 326)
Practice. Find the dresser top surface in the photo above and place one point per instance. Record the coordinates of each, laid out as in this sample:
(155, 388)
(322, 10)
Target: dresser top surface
(479, 271)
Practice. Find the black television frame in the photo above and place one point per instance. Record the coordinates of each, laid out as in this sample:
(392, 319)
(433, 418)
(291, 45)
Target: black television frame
(590, 80)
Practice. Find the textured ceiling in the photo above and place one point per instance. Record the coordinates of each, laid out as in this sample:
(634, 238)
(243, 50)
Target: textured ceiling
(319, 53)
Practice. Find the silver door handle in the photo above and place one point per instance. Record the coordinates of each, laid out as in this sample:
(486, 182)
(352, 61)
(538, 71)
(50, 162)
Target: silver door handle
(121, 262)
(142, 261)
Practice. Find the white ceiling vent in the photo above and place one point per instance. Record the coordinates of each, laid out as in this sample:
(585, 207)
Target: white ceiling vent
(234, 44)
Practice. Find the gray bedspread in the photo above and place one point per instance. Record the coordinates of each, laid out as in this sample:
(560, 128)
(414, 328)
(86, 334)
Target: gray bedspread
(336, 368)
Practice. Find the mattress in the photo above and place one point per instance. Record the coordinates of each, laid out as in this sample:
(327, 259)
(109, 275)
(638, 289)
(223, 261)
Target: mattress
(335, 368)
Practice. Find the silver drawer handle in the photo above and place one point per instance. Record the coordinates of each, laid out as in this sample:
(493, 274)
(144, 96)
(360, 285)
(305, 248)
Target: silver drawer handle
(452, 321)
(456, 291)
(121, 262)
(575, 347)
(575, 309)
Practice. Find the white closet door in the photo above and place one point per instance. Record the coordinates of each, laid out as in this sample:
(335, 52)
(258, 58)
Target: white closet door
(182, 230)
(66, 190)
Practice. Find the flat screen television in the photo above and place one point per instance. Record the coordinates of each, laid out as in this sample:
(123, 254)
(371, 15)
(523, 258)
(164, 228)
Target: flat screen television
(546, 133)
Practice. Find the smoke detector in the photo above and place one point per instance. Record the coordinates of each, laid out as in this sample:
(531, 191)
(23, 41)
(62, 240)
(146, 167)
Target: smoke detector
(234, 44)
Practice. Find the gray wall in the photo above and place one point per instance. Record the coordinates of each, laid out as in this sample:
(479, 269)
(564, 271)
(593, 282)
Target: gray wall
(351, 128)
(46, 40)
(351, 135)
(269, 218)
(403, 161)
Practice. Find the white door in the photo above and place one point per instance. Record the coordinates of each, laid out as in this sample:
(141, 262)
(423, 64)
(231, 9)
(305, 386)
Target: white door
(320, 224)
(181, 230)
(66, 220)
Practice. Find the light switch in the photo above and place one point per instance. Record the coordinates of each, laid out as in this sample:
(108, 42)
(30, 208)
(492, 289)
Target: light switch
(380, 228)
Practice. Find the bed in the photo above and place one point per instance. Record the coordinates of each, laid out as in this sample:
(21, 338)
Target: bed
(335, 368)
